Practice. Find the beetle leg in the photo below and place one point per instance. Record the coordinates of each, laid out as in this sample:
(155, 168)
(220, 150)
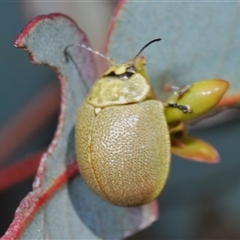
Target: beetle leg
(182, 90)
(184, 108)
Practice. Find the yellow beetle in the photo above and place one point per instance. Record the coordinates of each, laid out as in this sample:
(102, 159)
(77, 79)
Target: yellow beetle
(122, 137)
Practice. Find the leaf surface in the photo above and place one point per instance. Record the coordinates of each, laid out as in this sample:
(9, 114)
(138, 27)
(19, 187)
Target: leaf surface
(200, 40)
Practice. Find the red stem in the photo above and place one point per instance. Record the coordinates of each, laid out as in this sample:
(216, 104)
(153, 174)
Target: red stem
(28, 120)
(229, 100)
(19, 171)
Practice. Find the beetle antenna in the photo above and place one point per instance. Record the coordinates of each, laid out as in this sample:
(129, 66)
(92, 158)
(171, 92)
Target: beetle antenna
(110, 60)
(149, 43)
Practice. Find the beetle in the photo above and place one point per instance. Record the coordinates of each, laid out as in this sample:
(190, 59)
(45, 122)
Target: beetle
(122, 137)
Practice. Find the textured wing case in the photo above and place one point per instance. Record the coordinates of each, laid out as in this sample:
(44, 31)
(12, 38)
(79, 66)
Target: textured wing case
(124, 151)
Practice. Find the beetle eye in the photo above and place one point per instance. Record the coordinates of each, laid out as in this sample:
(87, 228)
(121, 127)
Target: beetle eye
(131, 69)
(125, 75)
